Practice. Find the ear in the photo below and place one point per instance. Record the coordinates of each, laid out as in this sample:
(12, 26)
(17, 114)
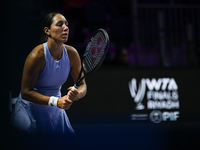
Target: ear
(47, 31)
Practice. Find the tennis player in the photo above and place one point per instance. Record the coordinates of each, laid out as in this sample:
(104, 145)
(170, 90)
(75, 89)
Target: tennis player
(40, 108)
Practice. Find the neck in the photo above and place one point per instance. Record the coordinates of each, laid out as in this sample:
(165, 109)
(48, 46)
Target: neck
(55, 49)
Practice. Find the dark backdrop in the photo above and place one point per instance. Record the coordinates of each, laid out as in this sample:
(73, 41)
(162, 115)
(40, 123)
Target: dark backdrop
(102, 118)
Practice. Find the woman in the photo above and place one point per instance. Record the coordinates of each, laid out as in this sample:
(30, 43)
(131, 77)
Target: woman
(40, 107)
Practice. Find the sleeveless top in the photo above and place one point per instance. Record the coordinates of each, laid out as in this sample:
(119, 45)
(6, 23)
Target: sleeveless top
(44, 119)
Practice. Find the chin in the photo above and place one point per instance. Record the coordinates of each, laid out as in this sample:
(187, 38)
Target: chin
(64, 41)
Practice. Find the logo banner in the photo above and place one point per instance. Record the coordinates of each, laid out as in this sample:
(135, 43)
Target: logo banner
(158, 96)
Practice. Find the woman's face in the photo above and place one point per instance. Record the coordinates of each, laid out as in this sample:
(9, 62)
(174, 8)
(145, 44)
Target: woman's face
(59, 30)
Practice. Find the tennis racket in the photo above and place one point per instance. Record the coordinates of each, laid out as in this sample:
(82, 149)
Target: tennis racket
(94, 54)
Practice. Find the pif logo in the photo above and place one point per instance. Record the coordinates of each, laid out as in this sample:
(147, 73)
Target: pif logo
(157, 116)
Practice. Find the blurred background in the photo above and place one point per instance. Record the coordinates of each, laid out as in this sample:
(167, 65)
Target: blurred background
(148, 39)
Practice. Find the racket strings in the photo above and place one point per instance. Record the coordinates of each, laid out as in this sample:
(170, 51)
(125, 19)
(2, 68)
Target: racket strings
(95, 52)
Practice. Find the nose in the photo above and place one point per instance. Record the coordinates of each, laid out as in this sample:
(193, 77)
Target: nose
(65, 27)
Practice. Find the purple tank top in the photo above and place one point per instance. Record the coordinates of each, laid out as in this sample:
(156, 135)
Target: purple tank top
(54, 74)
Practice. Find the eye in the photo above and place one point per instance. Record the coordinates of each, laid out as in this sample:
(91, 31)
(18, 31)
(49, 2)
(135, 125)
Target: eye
(66, 23)
(60, 23)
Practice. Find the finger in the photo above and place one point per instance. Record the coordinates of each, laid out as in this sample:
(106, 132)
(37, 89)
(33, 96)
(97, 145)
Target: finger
(69, 88)
(66, 108)
(69, 103)
(72, 97)
(73, 93)
(73, 89)
(65, 97)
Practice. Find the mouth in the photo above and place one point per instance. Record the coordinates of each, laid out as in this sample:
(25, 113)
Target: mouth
(65, 35)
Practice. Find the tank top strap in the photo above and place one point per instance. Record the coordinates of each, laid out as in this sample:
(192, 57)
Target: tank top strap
(46, 51)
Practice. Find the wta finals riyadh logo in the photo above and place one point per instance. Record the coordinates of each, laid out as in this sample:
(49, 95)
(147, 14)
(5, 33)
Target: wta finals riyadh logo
(138, 97)
(160, 96)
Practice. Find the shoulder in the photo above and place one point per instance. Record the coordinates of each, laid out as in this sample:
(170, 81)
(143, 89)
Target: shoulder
(36, 56)
(72, 54)
(70, 49)
(37, 52)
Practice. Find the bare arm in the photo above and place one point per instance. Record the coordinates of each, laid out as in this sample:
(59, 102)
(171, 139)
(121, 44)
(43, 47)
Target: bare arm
(33, 65)
(75, 70)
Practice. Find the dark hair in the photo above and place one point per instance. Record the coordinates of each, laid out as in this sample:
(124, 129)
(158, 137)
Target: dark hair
(47, 21)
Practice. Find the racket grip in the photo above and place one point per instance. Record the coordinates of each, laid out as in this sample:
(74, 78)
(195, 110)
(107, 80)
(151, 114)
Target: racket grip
(75, 86)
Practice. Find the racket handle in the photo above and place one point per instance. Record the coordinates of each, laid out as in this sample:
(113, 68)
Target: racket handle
(75, 87)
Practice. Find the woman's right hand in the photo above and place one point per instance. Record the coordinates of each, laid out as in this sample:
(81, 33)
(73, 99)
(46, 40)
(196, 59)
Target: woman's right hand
(64, 102)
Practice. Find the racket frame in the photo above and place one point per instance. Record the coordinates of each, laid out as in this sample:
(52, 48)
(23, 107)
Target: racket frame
(79, 79)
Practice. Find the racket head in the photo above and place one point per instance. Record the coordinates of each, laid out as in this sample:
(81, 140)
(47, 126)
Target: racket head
(95, 52)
